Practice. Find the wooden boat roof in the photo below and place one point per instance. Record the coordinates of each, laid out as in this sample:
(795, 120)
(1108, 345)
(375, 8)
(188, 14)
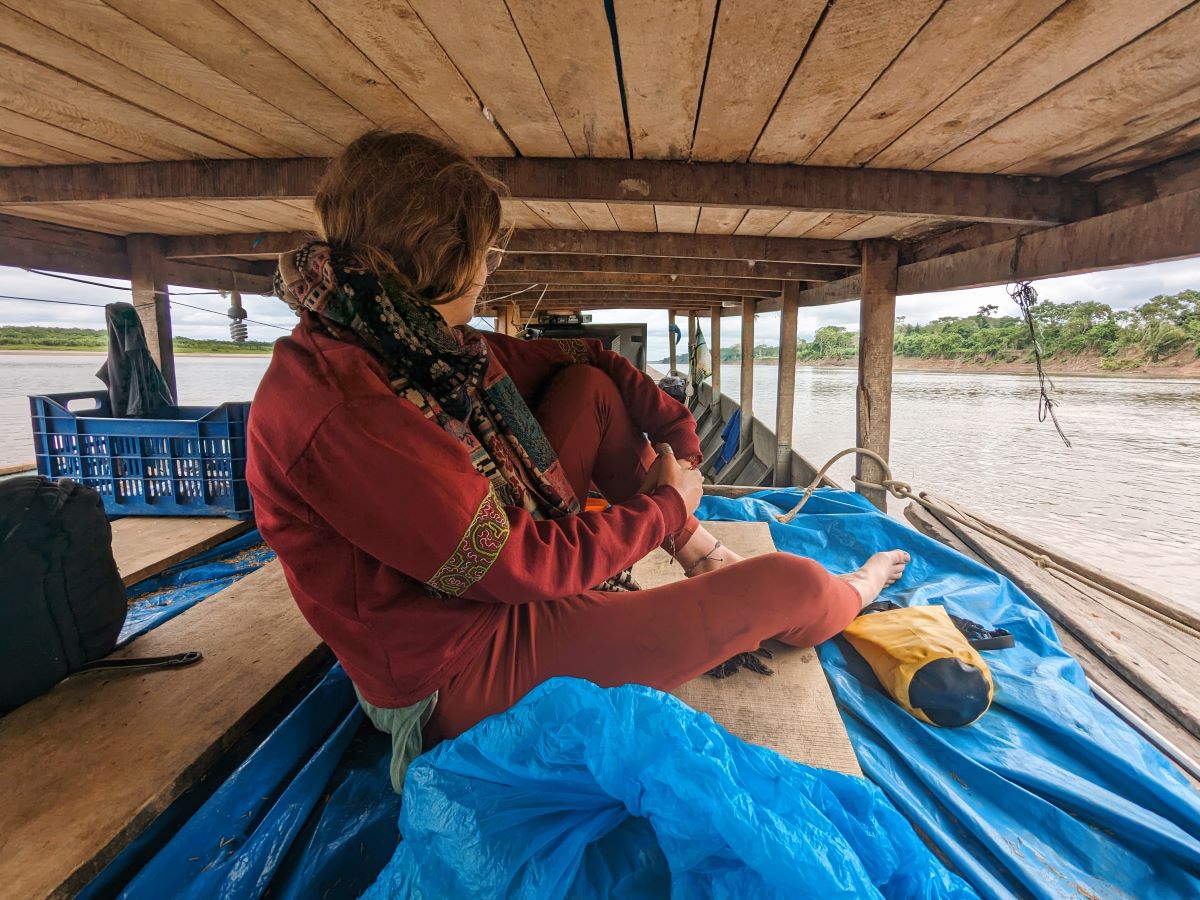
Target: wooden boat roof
(658, 154)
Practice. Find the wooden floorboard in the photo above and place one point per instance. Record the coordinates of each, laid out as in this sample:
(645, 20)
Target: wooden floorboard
(86, 767)
(146, 545)
(1161, 660)
(792, 712)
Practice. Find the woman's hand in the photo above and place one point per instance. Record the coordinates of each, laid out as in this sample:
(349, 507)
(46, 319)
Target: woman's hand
(682, 476)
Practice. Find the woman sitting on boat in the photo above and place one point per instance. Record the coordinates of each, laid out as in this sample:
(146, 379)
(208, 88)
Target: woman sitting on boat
(422, 481)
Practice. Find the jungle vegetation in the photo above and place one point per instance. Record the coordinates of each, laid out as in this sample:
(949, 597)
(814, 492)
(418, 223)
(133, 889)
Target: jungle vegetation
(1159, 328)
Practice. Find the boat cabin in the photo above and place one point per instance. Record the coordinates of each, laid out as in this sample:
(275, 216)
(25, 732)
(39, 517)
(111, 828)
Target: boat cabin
(716, 161)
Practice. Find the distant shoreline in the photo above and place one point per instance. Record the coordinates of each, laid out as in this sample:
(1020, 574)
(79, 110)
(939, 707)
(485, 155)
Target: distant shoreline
(44, 351)
(1077, 367)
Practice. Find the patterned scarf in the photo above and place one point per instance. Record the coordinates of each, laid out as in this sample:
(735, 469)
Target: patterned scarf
(443, 371)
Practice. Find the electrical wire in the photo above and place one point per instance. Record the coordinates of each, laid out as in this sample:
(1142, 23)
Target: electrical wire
(141, 306)
(225, 316)
(513, 294)
(533, 312)
(62, 302)
(115, 287)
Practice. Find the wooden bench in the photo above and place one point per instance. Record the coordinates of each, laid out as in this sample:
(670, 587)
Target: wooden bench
(791, 712)
(146, 545)
(86, 767)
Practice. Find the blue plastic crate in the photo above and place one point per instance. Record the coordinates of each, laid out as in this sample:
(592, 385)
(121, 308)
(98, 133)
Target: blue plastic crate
(192, 462)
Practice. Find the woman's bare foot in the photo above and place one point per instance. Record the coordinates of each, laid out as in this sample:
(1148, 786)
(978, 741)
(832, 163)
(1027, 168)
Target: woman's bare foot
(877, 573)
(701, 554)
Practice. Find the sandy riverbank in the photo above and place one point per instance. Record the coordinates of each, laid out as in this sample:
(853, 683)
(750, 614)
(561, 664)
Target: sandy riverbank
(1083, 365)
(1185, 365)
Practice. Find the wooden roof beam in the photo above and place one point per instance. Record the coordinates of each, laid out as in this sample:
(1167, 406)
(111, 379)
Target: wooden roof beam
(692, 246)
(221, 275)
(693, 282)
(1164, 229)
(526, 310)
(655, 298)
(559, 289)
(1157, 182)
(528, 242)
(661, 265)
(261, 245)
(27, 244)
(943, 195)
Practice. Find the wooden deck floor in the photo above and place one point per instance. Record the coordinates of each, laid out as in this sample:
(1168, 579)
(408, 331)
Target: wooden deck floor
(146, 545)
(86, 767)
(792, 712)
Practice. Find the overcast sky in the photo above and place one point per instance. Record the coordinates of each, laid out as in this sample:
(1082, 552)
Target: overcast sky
(1119, 288)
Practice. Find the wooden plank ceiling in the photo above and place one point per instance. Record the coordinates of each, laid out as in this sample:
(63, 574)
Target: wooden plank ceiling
(1080, 90)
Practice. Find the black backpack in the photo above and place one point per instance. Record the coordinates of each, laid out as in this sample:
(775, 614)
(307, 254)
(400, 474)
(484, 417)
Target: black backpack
(62, 602)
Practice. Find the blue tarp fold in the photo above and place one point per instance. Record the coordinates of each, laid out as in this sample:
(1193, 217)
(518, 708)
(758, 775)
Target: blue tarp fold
(585, 792)
(164, 596)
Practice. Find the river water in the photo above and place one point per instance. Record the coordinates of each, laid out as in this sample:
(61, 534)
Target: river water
(1125, 497)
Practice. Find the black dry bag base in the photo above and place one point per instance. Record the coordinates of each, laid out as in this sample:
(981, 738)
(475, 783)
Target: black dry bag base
(62, 603)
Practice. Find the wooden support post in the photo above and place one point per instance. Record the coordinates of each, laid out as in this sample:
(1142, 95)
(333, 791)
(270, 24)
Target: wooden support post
(508, 319)
(671, 339)
(691, 331)
(714, 343)
(746, 397)
(786, 394)
(147, 272)
(876, 330)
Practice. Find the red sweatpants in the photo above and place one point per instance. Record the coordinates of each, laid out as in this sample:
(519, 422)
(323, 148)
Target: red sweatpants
(661, 637)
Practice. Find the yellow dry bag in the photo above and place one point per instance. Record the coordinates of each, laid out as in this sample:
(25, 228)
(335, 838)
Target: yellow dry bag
(925, 662)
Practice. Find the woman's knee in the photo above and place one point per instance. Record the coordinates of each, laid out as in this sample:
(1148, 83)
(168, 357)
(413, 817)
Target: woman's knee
(785, 569)
(804, 587)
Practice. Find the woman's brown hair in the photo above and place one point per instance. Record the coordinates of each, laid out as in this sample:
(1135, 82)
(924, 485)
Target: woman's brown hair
(412, 210)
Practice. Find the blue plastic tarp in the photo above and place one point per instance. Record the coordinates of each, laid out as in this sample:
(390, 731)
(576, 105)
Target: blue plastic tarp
(309, 813)
(164, 596)
(731, 436)
(1050, 794)
(585, 792)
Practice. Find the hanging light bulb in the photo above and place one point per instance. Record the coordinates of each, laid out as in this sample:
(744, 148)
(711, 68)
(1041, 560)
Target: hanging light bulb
(238, 330)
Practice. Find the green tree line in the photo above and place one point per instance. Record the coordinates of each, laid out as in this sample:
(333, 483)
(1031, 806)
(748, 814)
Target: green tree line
(36, 337)
(1155, 330)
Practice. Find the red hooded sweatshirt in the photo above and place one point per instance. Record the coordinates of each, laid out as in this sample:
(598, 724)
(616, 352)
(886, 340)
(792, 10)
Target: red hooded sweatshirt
(368, 504)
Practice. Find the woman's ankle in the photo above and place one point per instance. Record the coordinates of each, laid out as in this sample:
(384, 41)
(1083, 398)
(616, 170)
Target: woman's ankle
(704, 553)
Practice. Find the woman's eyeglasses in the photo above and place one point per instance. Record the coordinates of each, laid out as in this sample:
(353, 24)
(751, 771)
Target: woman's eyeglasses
(495, 256)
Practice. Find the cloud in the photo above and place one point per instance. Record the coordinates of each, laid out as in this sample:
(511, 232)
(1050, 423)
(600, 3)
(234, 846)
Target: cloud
(1119, 288)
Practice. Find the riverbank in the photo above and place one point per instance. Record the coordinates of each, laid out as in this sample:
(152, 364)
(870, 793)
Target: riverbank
(200, 354)
(1183, 365)
(1179, 366)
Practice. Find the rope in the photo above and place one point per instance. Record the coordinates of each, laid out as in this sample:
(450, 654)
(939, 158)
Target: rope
(1023, 294)
(902, 490)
